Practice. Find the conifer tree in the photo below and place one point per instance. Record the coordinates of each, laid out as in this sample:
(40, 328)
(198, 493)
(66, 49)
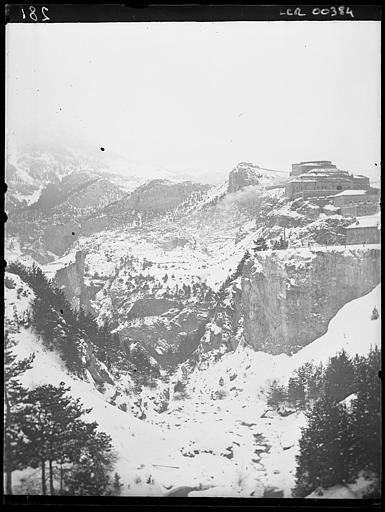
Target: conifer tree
(366, 412)
(276, 395)
(89, 475)
(296, 391)
(15, 396)
(117, 485)
(339, 377)
(324, 445)
(51, 424)
(44, 320)
(315, 383)
(69, 347)
(374, 315)
(340, 440)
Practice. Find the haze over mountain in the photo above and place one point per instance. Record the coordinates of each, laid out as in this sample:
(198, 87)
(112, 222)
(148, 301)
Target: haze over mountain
(197, 98)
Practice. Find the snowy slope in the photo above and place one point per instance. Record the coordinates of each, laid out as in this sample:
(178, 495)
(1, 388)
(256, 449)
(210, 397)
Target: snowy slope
(351, 329)
(245, 374)
(221, 440)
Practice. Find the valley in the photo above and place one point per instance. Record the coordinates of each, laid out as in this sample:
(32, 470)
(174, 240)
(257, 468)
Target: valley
(218, 439)
(225, 288)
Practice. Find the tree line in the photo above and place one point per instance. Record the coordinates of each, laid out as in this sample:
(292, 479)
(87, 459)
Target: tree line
(44, 429)
(70, 331)
(342, 438)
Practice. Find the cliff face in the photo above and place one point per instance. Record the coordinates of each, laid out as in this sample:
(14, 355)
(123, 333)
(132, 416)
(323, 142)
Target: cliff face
(169, 330)
(280, 302)
(287, 302)
(71, 280)
(243, 176)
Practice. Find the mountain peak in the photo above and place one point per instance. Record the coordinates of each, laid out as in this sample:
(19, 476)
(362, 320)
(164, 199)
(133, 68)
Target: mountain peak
(243, 175)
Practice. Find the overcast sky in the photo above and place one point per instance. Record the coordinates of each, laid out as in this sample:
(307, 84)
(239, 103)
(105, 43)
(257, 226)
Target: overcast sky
(201, 96)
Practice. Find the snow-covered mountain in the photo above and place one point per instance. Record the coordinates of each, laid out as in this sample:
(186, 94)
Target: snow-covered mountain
(160, 262)
(183, 302)
(32, 167)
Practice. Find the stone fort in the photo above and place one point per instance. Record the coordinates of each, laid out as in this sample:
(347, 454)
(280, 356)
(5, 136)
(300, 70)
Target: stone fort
(321, 178)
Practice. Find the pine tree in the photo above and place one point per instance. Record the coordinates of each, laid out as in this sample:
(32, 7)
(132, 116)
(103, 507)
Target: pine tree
(44, 321)
(108, 346)
(315, 383)
(89, 476)
(68, 341)
(366, 414)
(306, 384)
(15, 397)
(58, 299)
(117, 485)
(339, 377)
(241, 264)
(342, 441)
(51, 420)
(276, 394)
(375, 315)
(53, 318)
(296, 391)
(324, 448)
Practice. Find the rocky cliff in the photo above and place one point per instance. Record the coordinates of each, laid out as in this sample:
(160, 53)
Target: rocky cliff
(169, 330)
(288, 298)
(242, 176)
(70, 279)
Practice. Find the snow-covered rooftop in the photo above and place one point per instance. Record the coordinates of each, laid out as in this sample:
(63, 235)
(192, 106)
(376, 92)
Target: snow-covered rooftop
(369, 221)
(351, 193)
(330, 207)
(304, 177)
(316, 162)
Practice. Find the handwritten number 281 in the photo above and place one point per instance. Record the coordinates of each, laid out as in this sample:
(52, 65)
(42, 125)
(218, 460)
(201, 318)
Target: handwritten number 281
(33, 15)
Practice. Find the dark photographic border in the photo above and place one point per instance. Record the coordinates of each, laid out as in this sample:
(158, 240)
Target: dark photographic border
(184, 12)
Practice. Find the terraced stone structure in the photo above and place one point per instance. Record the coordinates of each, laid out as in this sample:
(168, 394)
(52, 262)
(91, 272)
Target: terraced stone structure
(322, 179)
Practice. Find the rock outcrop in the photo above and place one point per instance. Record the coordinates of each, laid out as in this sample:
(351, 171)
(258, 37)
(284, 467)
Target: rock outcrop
(70, 279)
(152, 307)
(288, 300)
(242, 176)
(97, 371)
(169, 330)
